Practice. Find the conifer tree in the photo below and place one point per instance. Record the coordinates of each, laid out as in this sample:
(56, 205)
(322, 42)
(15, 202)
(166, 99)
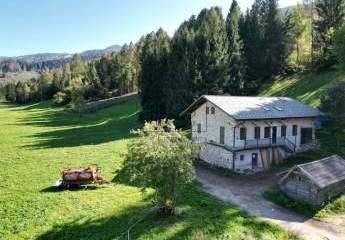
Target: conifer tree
(236, 63)
(211, 42)
(153, 79)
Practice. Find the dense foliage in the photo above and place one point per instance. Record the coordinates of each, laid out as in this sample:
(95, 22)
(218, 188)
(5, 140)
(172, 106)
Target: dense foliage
(329, 17)
(161, 158)
(78, 81)
(339, 45)
(332, 104)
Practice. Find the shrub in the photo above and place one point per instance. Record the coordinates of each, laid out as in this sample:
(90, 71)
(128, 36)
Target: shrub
(161, 157)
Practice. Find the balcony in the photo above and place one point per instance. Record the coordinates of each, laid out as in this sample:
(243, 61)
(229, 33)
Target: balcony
(268, 142)
(261, 143)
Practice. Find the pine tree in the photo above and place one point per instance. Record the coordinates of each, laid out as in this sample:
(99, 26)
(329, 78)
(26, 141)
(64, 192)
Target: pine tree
(153, 79)
(329, 17)
(236, 63)
(211, 42)
(252, 34)
(183, 70)
(274, 39)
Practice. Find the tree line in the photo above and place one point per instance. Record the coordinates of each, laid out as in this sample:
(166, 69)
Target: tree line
(235, 55)
(208, 54)
(79, 81)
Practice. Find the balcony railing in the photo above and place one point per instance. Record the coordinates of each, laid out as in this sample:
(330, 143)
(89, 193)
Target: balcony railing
(268, 142)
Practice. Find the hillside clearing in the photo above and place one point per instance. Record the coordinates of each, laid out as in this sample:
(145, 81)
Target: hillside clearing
(306, 87)
(39, 140)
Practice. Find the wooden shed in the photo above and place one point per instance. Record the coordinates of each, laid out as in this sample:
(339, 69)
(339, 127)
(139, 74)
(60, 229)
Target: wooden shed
(315, 182)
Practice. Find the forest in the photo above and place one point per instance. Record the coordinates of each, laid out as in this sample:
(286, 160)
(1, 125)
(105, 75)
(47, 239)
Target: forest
(208, 54)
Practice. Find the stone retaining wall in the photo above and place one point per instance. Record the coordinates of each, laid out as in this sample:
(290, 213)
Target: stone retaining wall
(96, 105)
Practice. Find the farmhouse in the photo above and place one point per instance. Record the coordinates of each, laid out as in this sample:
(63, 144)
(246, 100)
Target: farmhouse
(315, 182)
(249, 134)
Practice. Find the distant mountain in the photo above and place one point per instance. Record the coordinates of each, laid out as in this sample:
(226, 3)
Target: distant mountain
(95, 53)
(40, 61)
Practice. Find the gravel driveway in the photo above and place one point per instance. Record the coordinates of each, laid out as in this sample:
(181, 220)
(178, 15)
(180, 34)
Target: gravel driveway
(246, 192)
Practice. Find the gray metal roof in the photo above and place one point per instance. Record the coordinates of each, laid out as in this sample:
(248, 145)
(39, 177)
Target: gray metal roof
(326, 171)
(245, 108)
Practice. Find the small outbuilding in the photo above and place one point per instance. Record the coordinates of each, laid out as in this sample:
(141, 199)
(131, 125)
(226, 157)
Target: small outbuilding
(315, 182)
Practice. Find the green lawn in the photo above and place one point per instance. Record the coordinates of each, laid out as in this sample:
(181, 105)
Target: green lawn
(306, 87)
(38, 141)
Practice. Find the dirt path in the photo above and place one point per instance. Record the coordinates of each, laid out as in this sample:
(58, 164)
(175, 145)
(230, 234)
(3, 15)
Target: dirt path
(246, 192)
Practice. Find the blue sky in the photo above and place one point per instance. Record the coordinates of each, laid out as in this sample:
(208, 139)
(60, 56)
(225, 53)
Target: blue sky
(37, 26)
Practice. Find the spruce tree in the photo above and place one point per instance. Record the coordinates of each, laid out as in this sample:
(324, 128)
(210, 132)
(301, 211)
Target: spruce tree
(153, 78)
(274, 39)
(183, 70)
(211, 42)
(236, 63)
(252, 34)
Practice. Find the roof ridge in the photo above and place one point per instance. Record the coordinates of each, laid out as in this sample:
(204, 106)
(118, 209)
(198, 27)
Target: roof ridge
(320, 160)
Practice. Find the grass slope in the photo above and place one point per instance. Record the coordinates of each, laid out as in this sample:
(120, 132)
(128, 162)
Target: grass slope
(39, 140)
(306, 87)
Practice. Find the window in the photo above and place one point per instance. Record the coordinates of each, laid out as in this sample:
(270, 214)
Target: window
(213, 110)
(207, 110)
(267, 132)
(283, 131)
(199, 128)
(243, 133)
(221, 135)
(294, 130)
(257, 132)
(242, 157)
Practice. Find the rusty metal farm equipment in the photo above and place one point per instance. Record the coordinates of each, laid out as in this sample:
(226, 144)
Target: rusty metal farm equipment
(74, 177)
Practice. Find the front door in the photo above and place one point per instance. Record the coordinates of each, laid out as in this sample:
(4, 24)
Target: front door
(306, 135)
(274, 135)
(254, 160)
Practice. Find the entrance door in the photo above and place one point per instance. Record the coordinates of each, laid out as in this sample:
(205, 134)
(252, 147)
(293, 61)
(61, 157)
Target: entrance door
(274, 135)
(306, 135)
(254, 160)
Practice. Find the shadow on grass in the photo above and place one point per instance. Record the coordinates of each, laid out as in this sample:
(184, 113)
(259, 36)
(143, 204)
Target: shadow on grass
(74, 129)
(71, 188)
(199, 214)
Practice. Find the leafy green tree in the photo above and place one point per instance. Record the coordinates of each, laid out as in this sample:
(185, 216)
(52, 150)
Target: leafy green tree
(161, 158)
(329, 17)
(339, 45)
(332, 105)
(236, 61)
(299, 36)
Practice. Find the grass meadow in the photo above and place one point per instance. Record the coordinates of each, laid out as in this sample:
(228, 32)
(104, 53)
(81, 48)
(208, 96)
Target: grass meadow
(37, 141)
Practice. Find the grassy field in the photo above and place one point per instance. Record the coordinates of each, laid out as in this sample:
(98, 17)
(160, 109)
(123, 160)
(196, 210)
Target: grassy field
(306, 87)
(39, 140)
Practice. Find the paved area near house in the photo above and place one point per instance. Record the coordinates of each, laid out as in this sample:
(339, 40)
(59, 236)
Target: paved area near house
(246, 192)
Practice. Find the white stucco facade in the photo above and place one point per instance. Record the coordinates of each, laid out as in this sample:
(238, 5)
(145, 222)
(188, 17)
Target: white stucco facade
(249, 153)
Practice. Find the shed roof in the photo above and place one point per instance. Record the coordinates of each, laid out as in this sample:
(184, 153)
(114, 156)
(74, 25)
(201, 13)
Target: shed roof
(246, 108)
(323, 172)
